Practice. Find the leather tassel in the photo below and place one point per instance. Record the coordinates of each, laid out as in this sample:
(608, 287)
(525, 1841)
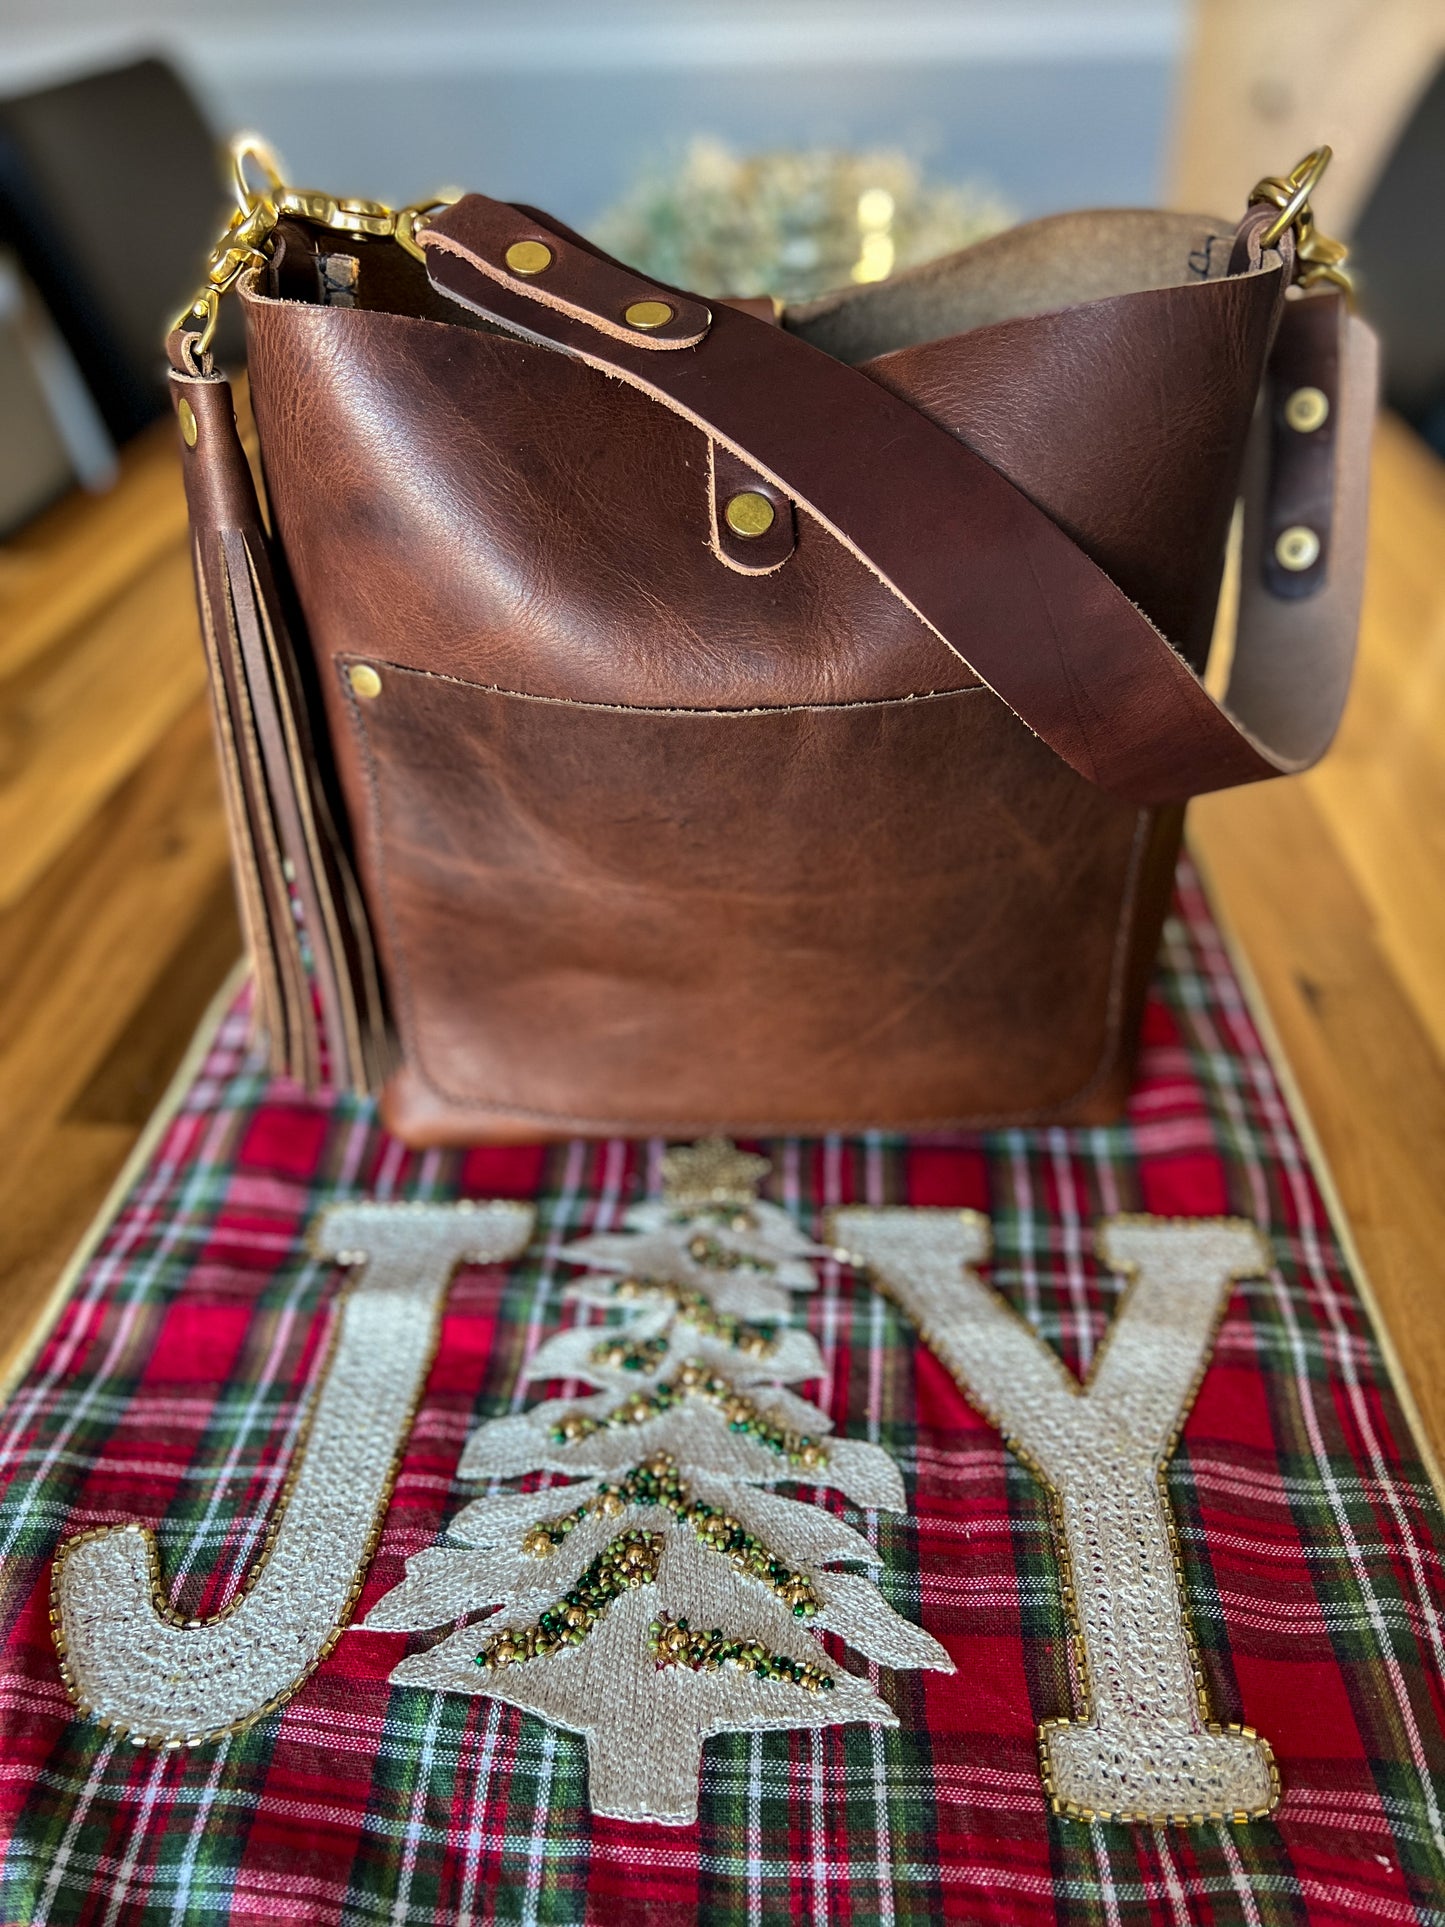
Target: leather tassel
(269, 1020)
(318, 990)
(333, 917)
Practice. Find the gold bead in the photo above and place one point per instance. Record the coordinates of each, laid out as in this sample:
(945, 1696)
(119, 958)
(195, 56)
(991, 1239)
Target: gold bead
(190, 428)
(1297, 548)
(647, 315)
(749, 514)
(364, 680)
(1307, 409)
(528, 257)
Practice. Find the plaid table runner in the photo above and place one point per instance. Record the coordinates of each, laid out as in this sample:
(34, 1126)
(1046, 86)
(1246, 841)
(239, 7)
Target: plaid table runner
(173, 1391)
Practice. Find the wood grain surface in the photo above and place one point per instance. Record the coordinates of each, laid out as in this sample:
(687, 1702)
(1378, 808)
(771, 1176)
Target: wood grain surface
(117, 926)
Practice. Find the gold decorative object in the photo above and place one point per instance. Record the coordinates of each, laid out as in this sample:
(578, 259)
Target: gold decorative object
(792, 224)
(711, 1172)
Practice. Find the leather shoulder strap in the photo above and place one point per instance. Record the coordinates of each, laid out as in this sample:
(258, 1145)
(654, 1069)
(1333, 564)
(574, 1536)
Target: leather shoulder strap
(997, 580)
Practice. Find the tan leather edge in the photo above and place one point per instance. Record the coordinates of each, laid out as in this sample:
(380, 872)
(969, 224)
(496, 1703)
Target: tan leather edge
(599, 295)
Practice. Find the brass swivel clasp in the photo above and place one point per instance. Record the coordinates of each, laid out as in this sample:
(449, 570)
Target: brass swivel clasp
(1322, 258)
(263, 199)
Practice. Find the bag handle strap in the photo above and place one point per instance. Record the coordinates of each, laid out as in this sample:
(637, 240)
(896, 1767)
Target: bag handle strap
(989, 572)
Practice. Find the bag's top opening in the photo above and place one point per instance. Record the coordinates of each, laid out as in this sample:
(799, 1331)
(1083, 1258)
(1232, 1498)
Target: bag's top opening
(1033, 269)
(1036, 268)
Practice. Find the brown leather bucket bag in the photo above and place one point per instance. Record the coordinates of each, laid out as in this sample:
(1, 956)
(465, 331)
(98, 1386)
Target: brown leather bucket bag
(647, 713)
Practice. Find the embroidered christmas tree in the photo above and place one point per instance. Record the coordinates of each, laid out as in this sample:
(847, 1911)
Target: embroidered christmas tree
(668, 1592)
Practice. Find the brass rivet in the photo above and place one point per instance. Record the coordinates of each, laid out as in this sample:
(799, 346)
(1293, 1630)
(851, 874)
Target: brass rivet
(648, 314)
(1297, 548)
(1306, 410)
(364, 680)
(749, 514)
(528, 257)
(190, 428)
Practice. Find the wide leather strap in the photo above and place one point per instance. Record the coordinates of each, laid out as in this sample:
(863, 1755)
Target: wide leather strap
(958, 544)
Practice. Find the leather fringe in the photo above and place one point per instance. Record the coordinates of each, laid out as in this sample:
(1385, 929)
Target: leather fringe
(318, 996)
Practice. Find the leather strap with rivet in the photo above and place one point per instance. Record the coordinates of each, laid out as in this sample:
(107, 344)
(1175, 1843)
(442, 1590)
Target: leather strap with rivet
(561, 275)
(1304, 424)
(959, 545)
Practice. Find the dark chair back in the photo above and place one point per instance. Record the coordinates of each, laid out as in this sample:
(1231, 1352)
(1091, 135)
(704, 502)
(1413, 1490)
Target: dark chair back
(111, 195)
(1396, 248)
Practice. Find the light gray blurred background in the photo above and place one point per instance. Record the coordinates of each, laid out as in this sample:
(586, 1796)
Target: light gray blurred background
(1054, 103)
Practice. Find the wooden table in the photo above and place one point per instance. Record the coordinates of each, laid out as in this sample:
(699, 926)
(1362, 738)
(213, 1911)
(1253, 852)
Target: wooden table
(117, 927)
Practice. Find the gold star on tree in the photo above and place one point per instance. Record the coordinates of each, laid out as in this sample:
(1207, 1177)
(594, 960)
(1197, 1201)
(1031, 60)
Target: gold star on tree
(713, 1171)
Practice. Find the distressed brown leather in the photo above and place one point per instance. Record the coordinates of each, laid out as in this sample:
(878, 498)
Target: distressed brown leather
(997, 580)
(652, 843)
(665, 885)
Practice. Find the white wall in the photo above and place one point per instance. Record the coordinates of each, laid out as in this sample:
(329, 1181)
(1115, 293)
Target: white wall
(1055, 102)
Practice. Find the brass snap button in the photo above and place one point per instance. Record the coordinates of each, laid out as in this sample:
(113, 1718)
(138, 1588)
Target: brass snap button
(648, 315)
(749, 514)
(364, 680)
(190, 427)
(528, 257)
(1307, 409)
(1297, 548)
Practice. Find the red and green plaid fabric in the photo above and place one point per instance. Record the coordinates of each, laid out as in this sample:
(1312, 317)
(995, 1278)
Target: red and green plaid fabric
(173, 1391)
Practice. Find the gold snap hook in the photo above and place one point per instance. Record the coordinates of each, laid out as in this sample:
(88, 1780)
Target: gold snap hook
(246, 148)
(1292, 194)
(1318, 257)
(409, 220)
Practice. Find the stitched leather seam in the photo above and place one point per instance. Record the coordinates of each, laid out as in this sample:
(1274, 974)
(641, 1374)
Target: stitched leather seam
(1113, 1005)
(647, 709)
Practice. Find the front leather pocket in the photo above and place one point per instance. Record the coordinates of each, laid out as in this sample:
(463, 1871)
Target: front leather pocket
(895, 913)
